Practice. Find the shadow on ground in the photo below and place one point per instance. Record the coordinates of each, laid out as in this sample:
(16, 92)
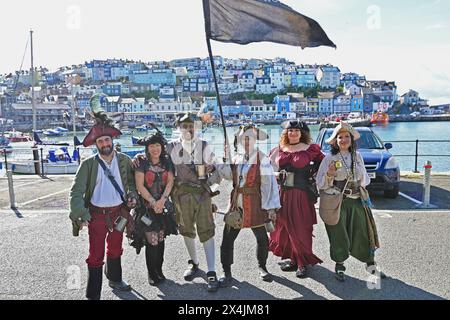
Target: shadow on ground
(440, 195)
(356, 289)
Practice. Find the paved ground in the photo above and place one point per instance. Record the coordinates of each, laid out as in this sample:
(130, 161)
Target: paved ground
(41, 259)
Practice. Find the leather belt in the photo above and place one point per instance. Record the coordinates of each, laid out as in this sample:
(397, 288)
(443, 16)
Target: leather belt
(248, 190)
(107, 212)
(104, 210)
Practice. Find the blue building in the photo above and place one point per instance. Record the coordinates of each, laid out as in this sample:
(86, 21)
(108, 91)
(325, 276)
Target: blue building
(51, 79)
(357, 103)
(326, 103)
(211, 104)
(283, 104)
(190, 85)
(304, 77)
(232, 109)
(112, 89)
(82, 102)
(158, 77)
(110, 104)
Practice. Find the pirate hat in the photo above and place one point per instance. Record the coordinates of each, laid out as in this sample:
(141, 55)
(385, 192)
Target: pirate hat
(186, 117)
(103, 127)
(153, 139)
(294, 124)
(343, 127)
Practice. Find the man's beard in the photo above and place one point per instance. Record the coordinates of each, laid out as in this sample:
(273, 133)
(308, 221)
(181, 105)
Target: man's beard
(106, 151)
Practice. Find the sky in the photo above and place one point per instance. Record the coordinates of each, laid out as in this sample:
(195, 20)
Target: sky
(407, 41)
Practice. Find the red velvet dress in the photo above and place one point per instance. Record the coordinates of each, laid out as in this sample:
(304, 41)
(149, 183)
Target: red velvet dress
(293, 233)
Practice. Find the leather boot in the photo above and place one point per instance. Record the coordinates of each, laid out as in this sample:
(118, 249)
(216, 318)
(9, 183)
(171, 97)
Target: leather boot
(264, 274)
(94, 283)
(372, 268)
(114, 274)
(190, 273)
(302, 273)
(213, 283)
(339, 270)
(160, 261)
(151, 257)
(227, 278)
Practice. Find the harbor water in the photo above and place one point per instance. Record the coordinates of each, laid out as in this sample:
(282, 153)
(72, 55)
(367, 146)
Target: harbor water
(437, 152)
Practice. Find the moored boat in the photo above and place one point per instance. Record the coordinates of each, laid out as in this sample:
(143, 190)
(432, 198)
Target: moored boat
(5, 147)
(379, 118)
(17, 136)
(58, 161)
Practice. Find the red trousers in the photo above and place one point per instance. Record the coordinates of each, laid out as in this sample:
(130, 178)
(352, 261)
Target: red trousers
(98, 233)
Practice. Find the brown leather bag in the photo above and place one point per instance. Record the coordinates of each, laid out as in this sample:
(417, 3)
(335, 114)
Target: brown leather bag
(234, 216)
(330, 206)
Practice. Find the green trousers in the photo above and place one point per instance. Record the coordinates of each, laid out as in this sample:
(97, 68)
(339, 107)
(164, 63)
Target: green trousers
(194, 216)
(350, 236)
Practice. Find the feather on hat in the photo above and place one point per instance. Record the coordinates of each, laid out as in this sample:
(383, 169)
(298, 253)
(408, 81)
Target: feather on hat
(103, 127)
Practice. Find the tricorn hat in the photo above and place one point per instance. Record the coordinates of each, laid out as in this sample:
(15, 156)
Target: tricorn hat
(343, 127)
(251, 130)
(295, 124)
(153, 139)
(103, 127)
(186, 117)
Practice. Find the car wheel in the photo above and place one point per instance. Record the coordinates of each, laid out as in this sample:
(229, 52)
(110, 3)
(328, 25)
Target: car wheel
(392, 194)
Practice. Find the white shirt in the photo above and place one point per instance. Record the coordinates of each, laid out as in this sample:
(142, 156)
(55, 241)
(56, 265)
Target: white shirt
(105, 195)
(270, 197)
(192, 151)
(341, 174)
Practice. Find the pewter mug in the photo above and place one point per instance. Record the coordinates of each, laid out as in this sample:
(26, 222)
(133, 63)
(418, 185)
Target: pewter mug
(269, 226)
(146, 220)
(289, 179)
(120, 224)
(201, 171)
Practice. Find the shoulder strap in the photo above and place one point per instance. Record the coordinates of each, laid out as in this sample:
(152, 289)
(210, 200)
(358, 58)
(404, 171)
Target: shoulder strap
(110, 177)
(236, 185)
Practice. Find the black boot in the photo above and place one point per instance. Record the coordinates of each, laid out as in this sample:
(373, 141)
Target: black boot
(289, 266)
(227, 278)
(213, 283)
(264, 274)
(190, 273)
(160, 261)
(339, 270)
(151, 257)
(114, 274)
(94, 283)
(302, 273)
(373, 269)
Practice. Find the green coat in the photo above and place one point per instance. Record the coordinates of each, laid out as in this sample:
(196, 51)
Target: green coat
(85, 180)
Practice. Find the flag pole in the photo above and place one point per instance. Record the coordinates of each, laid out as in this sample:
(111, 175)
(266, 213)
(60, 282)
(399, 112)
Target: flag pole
(213, 67)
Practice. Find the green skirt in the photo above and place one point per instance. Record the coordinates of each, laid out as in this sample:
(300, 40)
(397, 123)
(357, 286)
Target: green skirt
(355, 234)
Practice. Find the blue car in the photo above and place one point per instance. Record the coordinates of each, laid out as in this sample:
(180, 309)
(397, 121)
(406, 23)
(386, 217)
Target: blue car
(381, 165)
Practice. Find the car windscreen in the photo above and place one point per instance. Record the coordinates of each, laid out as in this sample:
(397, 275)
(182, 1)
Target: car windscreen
(368, 140)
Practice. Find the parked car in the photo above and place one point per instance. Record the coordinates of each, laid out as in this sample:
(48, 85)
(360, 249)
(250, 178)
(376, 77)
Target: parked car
(380, 164)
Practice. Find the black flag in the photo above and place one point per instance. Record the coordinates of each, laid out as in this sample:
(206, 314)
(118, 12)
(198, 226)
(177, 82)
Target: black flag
(246, 21)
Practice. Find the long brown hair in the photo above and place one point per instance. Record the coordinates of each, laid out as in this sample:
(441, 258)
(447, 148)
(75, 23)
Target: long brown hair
(305, 137)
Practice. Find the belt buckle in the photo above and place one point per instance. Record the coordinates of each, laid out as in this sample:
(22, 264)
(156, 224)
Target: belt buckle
(348, 192)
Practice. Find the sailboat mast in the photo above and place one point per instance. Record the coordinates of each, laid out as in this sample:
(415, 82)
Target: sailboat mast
(74, 101)
(32, 83)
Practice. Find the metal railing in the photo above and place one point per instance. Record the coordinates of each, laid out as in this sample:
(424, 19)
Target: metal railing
(39, 158)
(416, 154)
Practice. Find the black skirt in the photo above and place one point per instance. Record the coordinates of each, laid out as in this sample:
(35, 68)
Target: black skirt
(146, 220)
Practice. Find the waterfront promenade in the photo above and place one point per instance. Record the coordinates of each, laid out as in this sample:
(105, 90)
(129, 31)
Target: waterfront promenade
(42, 260)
